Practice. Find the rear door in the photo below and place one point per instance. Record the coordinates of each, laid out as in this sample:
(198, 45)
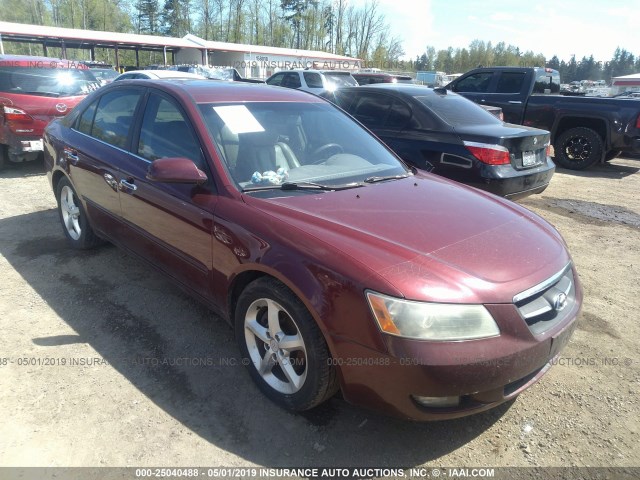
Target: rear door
(95, 151)
(169, 224)
(510, 93)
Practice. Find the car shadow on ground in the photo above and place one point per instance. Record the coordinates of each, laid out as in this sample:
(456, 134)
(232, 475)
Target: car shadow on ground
(20, 170)
(185, 360)
(604, 170)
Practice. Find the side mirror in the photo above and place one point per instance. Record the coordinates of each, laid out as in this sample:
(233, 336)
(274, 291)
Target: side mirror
(175, 170)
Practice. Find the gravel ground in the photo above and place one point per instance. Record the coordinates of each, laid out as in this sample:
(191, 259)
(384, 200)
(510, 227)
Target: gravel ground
(90, 369)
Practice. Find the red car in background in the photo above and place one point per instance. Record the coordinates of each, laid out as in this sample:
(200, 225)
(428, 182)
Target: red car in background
(34, 91)
(337, 265)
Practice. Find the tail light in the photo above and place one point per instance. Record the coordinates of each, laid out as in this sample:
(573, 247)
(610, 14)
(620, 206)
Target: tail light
(638, 122)
(16, 115)
(489, 154)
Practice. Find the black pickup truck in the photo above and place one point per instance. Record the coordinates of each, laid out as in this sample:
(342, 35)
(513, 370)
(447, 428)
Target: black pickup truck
(584, 130)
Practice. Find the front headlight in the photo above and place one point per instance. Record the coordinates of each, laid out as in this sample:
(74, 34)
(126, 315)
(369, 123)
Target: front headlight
(431, 321)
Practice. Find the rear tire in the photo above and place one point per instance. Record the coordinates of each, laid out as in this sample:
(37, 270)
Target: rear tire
(578, 148)
(283, 348)
(73, 218)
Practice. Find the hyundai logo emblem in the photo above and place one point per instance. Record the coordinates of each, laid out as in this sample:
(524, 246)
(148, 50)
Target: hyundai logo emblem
(560, 301)
(61, 107)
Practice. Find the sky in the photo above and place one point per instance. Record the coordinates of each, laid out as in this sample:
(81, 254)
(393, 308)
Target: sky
(551, 27)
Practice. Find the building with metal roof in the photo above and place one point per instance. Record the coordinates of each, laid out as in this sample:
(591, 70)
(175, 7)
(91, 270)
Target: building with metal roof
(626, 83)
(250, 60)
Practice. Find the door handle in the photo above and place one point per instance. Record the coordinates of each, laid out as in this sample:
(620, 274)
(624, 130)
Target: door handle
(515, 102)
(127, 187)
(111, 181)
(71, 155)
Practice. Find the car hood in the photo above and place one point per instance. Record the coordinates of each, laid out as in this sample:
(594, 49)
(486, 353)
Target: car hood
(430, 238)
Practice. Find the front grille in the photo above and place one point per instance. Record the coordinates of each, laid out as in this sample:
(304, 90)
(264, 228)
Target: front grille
(548, 303)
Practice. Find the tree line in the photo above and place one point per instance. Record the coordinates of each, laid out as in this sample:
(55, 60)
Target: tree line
(484, 54)
(335, 26)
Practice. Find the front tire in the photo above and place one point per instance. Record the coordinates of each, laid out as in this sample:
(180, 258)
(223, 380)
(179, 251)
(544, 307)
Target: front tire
(283, 347)
(578, 148)
(73, 218)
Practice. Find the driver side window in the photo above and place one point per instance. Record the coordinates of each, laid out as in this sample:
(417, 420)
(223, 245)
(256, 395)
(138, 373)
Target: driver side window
(166, 133)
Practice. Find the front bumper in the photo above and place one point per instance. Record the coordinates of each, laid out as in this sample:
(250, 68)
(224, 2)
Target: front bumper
(482, 373)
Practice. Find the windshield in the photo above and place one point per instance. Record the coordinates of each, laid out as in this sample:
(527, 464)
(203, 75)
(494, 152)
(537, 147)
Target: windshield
(219, 74)
(274, 143)
(51, 82)
(341, 79)
(104, 73)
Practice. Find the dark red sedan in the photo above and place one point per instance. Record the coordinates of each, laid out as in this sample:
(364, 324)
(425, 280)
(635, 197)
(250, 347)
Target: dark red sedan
(338, 266)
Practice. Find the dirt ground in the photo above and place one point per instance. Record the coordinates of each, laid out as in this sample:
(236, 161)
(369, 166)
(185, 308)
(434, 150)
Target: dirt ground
(105, 363)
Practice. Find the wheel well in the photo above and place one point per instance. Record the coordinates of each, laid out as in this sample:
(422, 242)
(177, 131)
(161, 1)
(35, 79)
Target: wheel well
(596, 124)
(238, 285)
(56, 177)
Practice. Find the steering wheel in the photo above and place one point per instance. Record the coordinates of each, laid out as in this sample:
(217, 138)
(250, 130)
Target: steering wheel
(320, 153)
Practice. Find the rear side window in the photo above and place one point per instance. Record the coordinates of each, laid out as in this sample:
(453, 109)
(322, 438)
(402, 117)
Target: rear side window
(47, 82)
(85, 121)
(399, 116)
(114, 116)
(371, 109)
(342, 99)
(339, 79)
(314, 80)
(510, 82)
(276, 79)
(457, 111)
(477, 82)
(291, 80)
(547, 82)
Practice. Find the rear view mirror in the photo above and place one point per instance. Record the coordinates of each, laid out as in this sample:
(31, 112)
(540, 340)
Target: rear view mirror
(175, 170)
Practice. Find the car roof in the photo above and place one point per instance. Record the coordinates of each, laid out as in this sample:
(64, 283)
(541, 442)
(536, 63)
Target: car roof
(213, 91)
(164, 74)
(402, 89)
(382, 75)
(303, 70)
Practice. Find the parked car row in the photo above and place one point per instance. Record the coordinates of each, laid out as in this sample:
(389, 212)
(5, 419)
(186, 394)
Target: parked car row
(436, 130)
(338, 266)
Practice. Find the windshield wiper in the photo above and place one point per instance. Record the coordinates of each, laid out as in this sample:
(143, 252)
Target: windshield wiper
(388, 177)
(303, 186)
(42, 94)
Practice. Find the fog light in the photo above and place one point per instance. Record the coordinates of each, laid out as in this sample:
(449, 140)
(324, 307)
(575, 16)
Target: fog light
(437, 402)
